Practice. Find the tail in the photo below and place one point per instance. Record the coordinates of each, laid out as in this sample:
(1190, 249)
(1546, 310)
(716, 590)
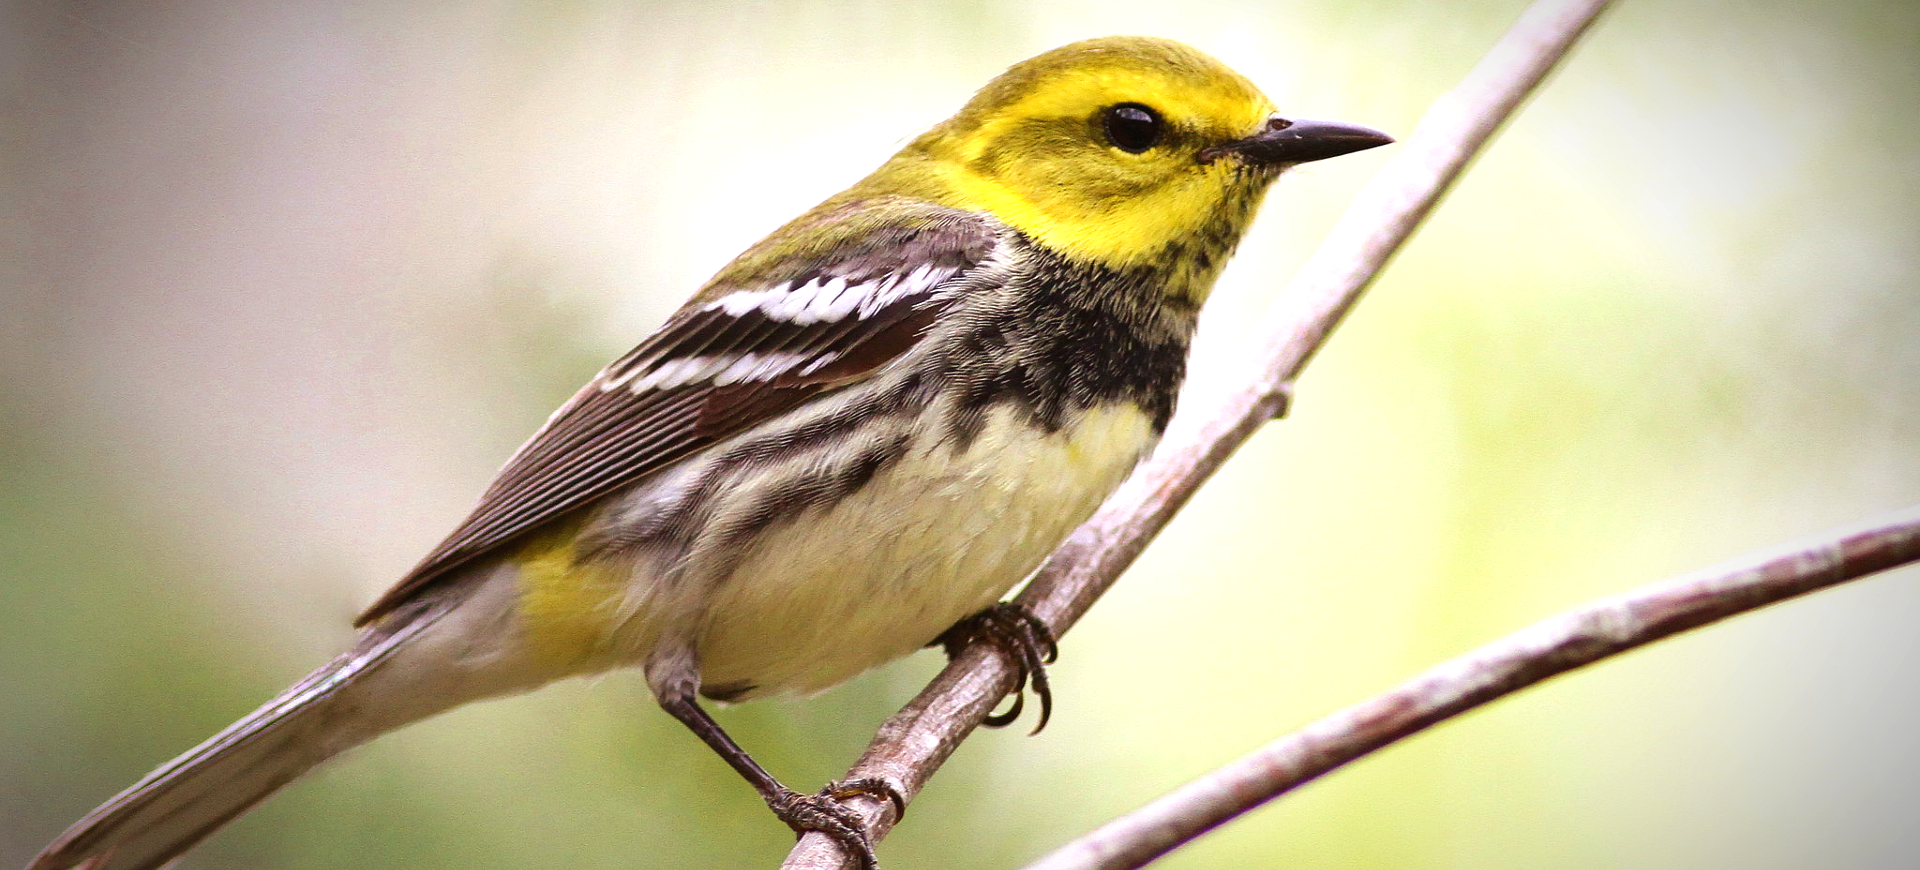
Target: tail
(395, 676)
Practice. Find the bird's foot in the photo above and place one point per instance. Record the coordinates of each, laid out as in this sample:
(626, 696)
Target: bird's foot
(1027, 640)
(823, 812)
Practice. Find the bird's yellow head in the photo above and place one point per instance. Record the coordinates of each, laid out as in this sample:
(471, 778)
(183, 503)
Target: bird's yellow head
(1121, 151)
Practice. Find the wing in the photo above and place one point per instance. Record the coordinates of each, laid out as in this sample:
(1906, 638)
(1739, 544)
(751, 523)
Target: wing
(783, 324)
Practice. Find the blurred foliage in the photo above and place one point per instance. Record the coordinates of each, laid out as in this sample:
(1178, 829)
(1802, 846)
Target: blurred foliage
(284, 283)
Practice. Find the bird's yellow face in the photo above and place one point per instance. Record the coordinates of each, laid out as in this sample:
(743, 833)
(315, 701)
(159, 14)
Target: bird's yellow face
(1109, 151)
(1095, 152)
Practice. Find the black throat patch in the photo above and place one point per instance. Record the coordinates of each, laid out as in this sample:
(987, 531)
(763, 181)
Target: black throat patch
(1064, 336)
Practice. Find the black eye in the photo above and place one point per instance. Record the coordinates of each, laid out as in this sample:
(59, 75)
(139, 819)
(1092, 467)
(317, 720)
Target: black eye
(1132, 128)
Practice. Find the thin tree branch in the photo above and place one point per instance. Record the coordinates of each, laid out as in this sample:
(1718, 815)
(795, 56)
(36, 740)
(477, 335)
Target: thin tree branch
(1546, 649)
(912, 744)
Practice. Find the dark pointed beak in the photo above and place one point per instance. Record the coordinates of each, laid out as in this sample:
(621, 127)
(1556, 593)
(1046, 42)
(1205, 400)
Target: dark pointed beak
(1298, 141)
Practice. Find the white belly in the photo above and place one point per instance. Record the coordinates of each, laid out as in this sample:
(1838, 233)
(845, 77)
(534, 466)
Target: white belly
(930, 540)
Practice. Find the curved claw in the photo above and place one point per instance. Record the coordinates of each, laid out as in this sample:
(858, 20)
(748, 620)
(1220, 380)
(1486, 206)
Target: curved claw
(1012, 715)
(1030, 644)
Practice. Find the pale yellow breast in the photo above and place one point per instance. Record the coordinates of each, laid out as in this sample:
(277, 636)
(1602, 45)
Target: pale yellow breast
(931, 539)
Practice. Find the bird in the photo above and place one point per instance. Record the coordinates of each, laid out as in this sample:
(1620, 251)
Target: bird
(847, 446)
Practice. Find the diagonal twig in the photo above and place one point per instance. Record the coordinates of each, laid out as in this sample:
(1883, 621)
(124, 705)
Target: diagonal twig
(1546, 649)
(912, 744)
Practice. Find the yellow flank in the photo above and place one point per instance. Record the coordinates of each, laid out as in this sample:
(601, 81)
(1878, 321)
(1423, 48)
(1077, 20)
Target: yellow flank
(566, 608)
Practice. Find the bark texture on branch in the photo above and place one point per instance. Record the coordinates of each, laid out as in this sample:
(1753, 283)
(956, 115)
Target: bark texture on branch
(1546, 649)
(912, 744)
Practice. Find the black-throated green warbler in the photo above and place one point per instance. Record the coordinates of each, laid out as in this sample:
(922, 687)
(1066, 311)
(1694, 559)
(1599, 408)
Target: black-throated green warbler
(867, 427)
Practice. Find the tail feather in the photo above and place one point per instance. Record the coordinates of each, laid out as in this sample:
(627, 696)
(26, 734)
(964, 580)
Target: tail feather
(191, 796)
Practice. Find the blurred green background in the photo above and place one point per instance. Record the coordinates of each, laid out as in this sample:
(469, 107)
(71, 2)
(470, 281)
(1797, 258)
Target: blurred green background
(284, 283)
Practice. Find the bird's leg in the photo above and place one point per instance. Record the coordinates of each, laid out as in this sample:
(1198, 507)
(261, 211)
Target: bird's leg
(676, 685)
(1025, 639)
